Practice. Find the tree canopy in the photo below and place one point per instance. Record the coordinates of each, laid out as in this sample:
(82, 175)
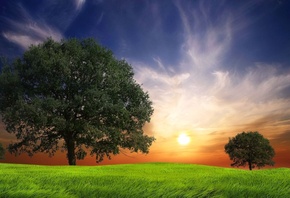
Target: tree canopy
(73, 95)
(250, 148)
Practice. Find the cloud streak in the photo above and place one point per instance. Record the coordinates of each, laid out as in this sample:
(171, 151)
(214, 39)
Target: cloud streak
(29, 31)
(79, 4)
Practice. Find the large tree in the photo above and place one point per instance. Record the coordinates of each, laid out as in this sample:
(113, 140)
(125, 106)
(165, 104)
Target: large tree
(73, 95)
(250, 148)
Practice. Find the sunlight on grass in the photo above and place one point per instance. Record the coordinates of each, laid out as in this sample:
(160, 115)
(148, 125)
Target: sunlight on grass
(141, 180)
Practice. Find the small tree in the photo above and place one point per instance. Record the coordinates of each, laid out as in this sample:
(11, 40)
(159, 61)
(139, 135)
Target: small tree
(2, 152)
(77, 95)
(250, 148)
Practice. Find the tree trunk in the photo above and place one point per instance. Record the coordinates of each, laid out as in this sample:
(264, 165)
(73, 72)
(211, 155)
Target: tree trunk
(250, 165)
(71, 156)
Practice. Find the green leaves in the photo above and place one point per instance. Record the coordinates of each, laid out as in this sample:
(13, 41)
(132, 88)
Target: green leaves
(79, 92)
(251, 148)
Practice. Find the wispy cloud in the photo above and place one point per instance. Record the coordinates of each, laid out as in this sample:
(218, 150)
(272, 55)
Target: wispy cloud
(79, 4)
(29, 30)
(206, 41)
(29, 33)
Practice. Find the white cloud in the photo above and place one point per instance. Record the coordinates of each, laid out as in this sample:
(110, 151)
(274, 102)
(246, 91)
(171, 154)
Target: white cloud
(79, 4)
(30, 33)
(28, 30)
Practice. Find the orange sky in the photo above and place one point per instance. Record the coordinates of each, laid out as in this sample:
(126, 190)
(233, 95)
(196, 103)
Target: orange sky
(202, 149)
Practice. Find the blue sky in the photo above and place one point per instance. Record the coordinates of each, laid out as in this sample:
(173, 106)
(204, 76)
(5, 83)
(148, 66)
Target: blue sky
(212, 68)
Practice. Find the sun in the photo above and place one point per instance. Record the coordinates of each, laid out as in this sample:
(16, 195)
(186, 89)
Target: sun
(183, 139)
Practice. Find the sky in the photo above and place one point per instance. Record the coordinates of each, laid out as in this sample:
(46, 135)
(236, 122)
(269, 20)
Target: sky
(212, 68)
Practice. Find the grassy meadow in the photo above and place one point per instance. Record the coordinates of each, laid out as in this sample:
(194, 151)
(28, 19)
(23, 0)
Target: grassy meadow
(141, 180)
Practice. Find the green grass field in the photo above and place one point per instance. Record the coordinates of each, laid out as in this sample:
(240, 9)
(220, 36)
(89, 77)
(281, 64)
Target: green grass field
(141, 180)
